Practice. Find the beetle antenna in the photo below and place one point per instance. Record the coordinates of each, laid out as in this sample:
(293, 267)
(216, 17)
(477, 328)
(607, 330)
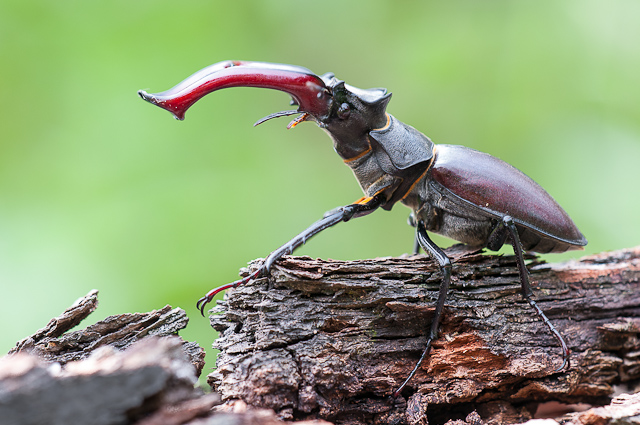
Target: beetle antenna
(276, 115)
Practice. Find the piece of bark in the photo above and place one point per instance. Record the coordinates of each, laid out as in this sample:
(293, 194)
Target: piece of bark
(126, 370)
(238, 413)
(150, 383)
(184, 412)
(57, 326)
(472, 418)
(108, 387)
(54, 343)
(623, 410)
(333, 339)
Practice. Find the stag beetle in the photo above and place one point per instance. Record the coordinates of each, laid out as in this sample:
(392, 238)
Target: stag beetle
(455, 191)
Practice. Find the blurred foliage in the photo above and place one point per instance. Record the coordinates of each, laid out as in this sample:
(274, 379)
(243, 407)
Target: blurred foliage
(101, 190)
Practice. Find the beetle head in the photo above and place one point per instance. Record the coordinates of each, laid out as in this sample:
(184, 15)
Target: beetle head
(353, 112)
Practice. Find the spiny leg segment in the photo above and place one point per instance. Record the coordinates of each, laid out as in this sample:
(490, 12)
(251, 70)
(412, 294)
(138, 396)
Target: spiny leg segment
(527, 292)
(445, 266)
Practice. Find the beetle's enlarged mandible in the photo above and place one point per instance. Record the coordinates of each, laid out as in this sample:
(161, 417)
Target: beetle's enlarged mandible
(452, 190)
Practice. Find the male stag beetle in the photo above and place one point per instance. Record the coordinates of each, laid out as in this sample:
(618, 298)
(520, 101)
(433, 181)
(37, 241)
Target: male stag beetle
(454, 191)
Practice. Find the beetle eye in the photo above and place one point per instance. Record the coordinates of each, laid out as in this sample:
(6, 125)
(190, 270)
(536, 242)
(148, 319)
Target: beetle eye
(344, 111)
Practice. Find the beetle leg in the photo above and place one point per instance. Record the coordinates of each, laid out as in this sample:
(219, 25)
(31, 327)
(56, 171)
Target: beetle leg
(527, 292)
(497, 237)
(359, 208)
(416, 246)
(411, 221)
(445, 266)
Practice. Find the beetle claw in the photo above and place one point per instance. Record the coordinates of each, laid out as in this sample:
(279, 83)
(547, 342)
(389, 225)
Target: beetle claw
(566, 360)
(561, 368)
(202, 302)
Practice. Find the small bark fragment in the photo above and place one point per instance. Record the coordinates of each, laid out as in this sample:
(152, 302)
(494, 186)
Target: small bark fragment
(623, 410)
(54, 344)
(57, 326)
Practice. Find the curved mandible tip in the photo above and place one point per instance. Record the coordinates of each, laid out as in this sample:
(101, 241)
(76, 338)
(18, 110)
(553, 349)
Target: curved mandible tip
(307, 89)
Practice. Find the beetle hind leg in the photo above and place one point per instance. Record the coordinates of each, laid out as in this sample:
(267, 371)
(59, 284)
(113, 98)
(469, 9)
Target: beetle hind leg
(527, 292)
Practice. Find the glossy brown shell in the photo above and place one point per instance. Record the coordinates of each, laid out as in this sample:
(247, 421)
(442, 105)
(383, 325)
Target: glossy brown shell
(500, 189)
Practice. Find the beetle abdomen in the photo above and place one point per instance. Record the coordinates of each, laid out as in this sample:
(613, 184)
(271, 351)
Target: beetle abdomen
(495, 187)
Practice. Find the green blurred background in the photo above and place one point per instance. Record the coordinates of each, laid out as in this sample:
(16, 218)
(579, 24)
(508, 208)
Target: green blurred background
(100, 190)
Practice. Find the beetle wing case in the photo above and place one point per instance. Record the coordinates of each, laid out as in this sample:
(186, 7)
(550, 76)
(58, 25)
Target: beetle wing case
(498, 188)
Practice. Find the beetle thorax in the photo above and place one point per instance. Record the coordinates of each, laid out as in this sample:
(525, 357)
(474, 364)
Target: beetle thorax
(371, 177)
(349, 147)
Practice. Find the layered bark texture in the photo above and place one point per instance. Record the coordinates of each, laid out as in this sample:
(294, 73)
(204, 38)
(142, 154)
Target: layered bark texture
(327, 342)
(334, 339)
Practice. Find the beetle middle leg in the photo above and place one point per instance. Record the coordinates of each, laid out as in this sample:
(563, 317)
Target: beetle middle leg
(445, 266)
(411, 221)
(508, 224)
(359, 208)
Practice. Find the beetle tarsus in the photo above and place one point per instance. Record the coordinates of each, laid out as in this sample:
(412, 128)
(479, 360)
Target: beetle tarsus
(566, 352)
(566, 360)
(202, 302)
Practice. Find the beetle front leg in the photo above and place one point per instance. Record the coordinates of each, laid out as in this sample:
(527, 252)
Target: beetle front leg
(527, 292)
(359, 208)
(445, 266)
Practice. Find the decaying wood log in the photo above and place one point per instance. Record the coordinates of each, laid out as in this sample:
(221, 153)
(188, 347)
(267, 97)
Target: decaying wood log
(333, 339)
